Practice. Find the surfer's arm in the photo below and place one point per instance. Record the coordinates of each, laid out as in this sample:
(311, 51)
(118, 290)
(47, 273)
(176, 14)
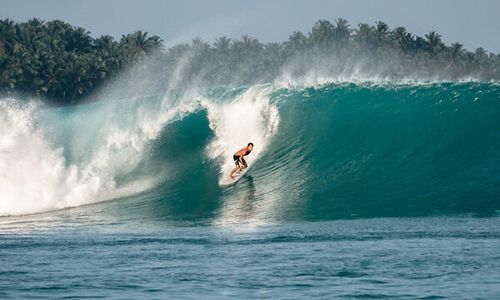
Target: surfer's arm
(243, 161)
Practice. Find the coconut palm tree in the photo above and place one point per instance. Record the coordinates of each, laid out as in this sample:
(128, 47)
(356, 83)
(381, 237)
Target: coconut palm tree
(364, 38)
(381, 33)
(342, 32)
(433, 42)
(297, 43)
(403, 40)
(456, 52)
(7, 35)
(222, 45)
(138, 44)
(322, 35)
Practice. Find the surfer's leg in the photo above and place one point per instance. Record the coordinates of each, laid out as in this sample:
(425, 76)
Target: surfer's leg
(236, 169)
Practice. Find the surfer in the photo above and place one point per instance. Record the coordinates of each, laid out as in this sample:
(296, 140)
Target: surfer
(239, 160)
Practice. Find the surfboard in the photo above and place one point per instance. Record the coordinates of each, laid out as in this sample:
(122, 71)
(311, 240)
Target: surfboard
(226, 180)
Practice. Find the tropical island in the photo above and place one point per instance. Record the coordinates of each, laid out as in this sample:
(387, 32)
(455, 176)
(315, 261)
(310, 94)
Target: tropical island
(62, 64)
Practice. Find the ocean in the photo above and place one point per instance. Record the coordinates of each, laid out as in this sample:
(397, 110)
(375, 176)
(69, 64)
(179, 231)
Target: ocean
(354, 190)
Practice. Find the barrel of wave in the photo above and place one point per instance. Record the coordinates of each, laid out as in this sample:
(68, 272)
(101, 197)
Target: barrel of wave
(248, 117)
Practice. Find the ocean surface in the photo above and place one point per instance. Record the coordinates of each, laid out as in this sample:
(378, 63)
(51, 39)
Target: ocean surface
(354, 190)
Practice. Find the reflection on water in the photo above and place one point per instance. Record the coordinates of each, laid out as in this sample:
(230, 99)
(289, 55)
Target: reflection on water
(239, 207)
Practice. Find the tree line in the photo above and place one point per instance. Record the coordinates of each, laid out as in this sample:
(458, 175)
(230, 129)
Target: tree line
(63, 63)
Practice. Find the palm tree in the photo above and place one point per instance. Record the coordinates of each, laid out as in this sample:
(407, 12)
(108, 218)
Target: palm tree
(364, 38)
(222, 45)
(21, 66)
(7, 34)
(322, 35)
(381, 33)
(136, 45)
(297, 43)
(199, 46)
(271, 59)
(403, 40)
(433, 42)
(456, 52)
(342, 32)
(247, 48)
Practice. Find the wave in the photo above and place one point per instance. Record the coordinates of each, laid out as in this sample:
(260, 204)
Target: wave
(66, 157)
(325, 151)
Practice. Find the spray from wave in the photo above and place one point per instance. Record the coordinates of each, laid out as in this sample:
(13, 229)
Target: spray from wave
(38, 174)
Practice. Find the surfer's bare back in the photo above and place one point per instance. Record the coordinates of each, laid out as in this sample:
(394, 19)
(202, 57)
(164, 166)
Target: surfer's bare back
(239, 160)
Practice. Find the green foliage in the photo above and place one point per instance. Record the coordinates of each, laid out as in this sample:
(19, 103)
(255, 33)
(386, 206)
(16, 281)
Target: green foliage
(63, 63)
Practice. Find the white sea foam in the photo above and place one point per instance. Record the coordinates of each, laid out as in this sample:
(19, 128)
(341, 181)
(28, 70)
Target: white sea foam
(250, 117)
(35, 176)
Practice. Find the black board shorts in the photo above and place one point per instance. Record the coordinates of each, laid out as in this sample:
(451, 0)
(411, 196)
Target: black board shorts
(237, 160)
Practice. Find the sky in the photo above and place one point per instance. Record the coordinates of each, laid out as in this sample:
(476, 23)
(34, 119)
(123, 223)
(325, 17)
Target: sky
(474, 23)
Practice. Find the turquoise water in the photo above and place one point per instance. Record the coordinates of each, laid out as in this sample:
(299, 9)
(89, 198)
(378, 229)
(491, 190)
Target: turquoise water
(353, 191)
(86, 253)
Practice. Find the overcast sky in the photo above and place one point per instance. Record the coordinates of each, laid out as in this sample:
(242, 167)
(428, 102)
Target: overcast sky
(475, 23)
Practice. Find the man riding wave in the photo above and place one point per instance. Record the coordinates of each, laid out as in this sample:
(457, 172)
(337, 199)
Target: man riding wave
(239, 160)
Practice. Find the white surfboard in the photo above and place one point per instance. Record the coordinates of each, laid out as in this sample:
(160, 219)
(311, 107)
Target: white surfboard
(226, 180)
